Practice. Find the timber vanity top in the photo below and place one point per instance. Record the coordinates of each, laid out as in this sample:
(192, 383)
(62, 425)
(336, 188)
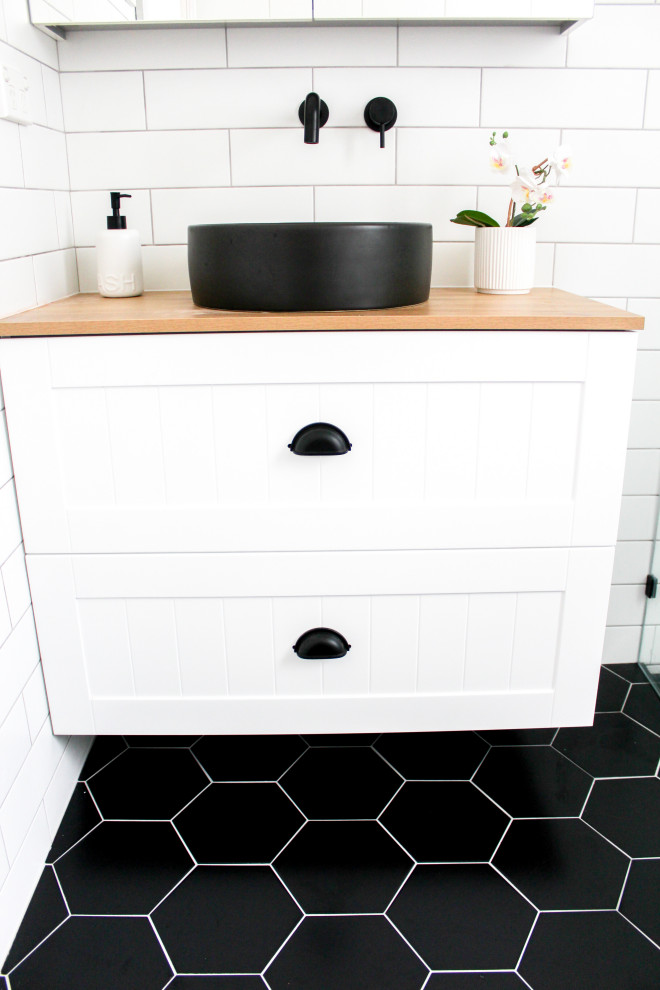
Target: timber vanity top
(190, 574)
(447, 309)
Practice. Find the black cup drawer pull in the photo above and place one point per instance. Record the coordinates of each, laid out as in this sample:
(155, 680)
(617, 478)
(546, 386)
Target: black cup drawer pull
(321, 644)
(320, 439)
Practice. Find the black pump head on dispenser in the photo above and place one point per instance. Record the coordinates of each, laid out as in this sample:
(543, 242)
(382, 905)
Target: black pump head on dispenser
(117, 222)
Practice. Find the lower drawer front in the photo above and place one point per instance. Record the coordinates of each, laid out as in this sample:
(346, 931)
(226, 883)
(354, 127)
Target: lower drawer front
(125, 637)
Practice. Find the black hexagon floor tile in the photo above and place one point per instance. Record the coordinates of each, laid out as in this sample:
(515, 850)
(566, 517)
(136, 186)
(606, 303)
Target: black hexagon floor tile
(217, 983)
(463, 917)
(80, 817)
(238, 823)
(104, 749)
(640, 898)
(148, 783)
(643, 704)
(433, 755)
(235, 920)
(561, 864)
(96, 954)
(630, 672)
(123, 868)
(354, 953)
(589, 950)
(345, 782)
(627, 812)
(614, 746)
(226, 919)
(347, 739)
(518, 737)
(475, 981)
(446, 821)
(343, 868)
(533, 782)
(233, 758)
(612, 691)
(47, 910)
(170, 742)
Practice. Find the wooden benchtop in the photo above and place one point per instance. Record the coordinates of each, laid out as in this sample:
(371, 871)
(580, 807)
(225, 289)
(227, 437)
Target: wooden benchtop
(447, 309)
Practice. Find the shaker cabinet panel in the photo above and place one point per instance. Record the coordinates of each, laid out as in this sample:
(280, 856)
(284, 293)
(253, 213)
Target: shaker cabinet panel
(181, 629)
(456, 440)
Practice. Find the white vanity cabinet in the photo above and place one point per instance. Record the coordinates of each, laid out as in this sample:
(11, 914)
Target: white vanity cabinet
(177, 548)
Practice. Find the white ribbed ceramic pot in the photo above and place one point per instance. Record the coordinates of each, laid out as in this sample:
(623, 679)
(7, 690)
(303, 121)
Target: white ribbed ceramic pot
(504, 259)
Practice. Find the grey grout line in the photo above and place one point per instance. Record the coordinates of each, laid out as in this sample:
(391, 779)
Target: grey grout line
(288, 843)
(527, 940)
(172, 889)
(276, 954)
(623, 886)
(640, 930)
(513, 887)
(409, 944)
(160, 942)
(34, 949)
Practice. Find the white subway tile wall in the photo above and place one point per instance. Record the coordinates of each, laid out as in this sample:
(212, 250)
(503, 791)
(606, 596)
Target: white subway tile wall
(200, 125)
(37, 265)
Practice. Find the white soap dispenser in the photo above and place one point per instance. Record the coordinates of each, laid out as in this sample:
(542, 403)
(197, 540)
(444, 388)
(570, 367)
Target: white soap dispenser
(119, 255)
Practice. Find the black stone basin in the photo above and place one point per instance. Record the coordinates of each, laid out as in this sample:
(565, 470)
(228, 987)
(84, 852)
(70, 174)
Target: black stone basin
(309, 266)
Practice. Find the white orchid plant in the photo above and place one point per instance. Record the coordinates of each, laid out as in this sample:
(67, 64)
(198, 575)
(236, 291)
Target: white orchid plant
(531, 192)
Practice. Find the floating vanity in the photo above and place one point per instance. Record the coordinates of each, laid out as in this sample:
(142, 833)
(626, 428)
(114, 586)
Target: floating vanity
(178, 549)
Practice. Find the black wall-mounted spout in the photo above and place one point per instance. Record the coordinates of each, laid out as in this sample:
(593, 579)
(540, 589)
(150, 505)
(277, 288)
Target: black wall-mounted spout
(313, 113)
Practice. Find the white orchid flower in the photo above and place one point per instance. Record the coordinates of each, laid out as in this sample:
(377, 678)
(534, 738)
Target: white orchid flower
(500, 158)
(525, 189)
(562, 160)
(546, 195)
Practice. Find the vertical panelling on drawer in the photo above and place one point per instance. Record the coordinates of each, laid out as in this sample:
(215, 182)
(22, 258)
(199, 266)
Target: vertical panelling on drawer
(394, 644)
(188, 448)
(152, 634)
(352, 618)
(442, 640)
(106, 647)
(399, 441)
(291, 478)
(291, 618)
(350, 407)
(241, 449)
(452, 435)
(201, 645)
(535, 640)
(84, 446)
(505, 412)
(135, 439)
(249, 641)
(553, 442)
(491, 624)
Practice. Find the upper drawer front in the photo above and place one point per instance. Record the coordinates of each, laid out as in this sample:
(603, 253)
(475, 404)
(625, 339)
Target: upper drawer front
(458, 440)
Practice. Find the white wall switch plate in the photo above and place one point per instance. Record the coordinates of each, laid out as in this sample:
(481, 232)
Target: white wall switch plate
(14, 95)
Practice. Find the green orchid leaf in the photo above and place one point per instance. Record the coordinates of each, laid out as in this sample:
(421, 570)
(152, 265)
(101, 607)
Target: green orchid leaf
(522, 220)
(475, 218)
(480, 217)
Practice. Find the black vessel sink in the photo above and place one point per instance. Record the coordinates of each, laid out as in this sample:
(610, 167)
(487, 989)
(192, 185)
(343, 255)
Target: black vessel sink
(309, 266)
